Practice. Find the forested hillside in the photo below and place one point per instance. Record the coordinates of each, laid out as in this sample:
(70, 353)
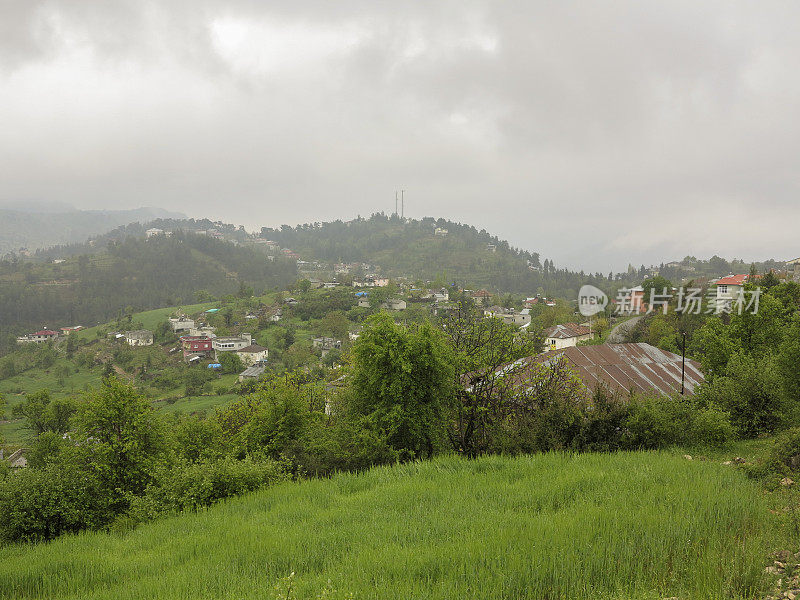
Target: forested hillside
(34, 229)
(130, 274)
(465, 255)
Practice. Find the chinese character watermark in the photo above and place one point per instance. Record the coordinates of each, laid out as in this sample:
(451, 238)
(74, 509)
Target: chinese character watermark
(686, 301)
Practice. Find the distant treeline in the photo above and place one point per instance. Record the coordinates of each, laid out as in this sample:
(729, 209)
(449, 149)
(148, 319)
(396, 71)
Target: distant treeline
(465, 256)
(129, 275)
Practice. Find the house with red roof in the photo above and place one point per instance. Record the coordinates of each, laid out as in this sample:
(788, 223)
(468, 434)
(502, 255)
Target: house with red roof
(729, 288)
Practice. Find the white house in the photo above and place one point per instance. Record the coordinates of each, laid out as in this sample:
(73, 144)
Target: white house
(252, 354)
(181, 324)
(232, 343)
(140, 337)
(729, 288)
(394, 304)
(566, 335)
(153, 232)
(793, 269)
(37, 338)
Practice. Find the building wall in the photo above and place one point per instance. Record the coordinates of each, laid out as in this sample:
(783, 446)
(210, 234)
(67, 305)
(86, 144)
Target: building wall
(250, 358)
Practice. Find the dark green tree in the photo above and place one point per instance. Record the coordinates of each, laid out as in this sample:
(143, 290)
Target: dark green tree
(401, 381)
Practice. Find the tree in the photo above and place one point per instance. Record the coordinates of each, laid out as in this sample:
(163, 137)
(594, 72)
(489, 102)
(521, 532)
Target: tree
(335, 325)
(230, 361)
(482, 346)
(33, 410)
(788, 360)
(750, 391)
(401, 380)
(124, 436)
(655, 286)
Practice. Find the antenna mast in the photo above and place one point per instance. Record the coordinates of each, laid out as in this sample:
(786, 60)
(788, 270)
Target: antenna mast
(402, 204)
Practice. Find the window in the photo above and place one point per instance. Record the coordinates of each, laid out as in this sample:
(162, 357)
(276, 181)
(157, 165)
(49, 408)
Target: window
(723, 289)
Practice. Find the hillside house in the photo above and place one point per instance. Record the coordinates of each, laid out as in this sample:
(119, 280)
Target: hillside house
(201, 329)
(179, 324)
(632, 300)
(195, 346)
(363, 302)
(394, 304)
(232, 343)
(793, 270)
(252, 354)
(567, 335)
(441, 296)
(326, 344)
(729, 289)
(440, 232)
(140, 337)
(45, 335)
(68, 330)
(509, 315)
(154, 231)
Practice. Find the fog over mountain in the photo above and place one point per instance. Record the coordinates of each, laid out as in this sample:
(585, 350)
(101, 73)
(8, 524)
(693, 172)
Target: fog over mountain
(597, 133)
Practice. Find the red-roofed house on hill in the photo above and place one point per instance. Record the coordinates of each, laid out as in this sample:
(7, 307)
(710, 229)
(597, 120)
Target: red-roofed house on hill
(729, 288)
(37, 338)
(565, 336)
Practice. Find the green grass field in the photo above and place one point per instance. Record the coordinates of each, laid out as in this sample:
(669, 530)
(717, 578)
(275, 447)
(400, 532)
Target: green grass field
(627, 525)
(150, 318)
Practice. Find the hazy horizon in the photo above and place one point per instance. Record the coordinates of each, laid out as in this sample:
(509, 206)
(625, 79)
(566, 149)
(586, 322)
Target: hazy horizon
(598, 135)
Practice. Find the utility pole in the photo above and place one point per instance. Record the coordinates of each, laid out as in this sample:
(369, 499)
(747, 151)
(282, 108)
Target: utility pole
(395, 202)
(683, 361)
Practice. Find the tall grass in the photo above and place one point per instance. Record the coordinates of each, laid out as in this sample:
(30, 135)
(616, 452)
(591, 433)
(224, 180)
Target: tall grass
(638, 525)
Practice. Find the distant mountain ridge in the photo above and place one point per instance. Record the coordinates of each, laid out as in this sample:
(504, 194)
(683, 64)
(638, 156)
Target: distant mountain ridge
(42, 225)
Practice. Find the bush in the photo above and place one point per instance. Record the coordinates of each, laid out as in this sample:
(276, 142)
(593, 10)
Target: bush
(782, 459)
(190, 486)
(41, 504)
(658, 422)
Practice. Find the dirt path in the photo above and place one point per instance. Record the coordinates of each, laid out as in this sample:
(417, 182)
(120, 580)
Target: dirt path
(621, 330)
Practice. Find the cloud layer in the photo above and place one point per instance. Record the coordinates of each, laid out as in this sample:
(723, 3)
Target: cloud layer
(598, 134)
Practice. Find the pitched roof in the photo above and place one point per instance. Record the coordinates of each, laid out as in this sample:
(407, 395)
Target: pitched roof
(733, 280)
(254, 371)
(624, 367)
(252, 349)
(566, 330)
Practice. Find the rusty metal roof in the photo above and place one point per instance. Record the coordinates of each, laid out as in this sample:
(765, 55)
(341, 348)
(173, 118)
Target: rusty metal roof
(624, 367)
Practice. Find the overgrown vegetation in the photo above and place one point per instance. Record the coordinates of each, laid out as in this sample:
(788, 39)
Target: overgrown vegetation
(633, 525)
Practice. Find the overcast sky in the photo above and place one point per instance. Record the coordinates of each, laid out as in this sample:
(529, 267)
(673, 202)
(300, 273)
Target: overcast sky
(596, 133)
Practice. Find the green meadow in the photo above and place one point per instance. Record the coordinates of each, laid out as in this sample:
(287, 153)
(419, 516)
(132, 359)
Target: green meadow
(550, 526)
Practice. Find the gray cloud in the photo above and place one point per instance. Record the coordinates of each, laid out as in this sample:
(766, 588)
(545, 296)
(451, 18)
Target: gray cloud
(598, 134)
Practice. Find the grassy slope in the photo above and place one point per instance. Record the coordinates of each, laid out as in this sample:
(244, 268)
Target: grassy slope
(640, 525)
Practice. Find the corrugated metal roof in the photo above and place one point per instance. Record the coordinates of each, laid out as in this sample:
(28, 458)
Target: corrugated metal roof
(566, 330)
(624, 367)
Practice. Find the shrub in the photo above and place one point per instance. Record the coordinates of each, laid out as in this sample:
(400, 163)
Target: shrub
(190, 486)
(41, 504)
(782, 459)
